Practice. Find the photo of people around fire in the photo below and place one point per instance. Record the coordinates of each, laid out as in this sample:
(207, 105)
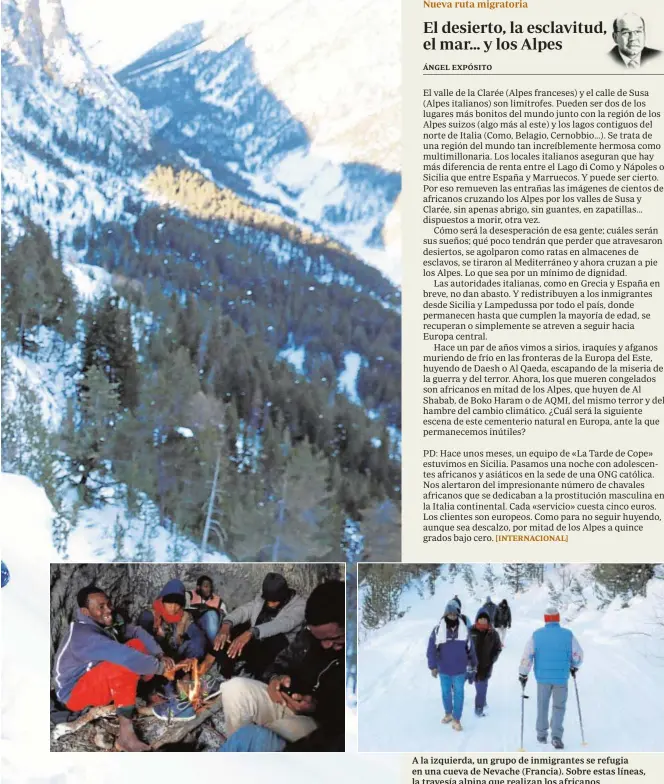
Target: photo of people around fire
(198, 657)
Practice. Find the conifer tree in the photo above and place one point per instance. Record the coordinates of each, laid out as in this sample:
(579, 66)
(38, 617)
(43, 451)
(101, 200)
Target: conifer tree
(624, 580)
(380, 527)
(515, 576)
(89, 434)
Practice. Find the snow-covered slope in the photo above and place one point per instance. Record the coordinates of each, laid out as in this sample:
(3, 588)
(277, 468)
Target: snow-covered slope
(620, 684)
(71, 136)
(307, 125)
(95, 535)
(336, 66)
(26, 547)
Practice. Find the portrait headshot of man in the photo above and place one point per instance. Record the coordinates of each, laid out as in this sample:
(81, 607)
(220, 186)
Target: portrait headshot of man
(629, 36)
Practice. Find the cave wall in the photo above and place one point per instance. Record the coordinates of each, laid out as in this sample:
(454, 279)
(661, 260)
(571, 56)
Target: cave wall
(133, 586)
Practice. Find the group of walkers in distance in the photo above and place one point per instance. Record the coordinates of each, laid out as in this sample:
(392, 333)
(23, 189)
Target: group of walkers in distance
(276, 662)
(459, 652)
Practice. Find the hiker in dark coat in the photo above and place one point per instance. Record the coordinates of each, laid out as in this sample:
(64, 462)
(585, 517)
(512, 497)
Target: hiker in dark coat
(503, 620)
(301, 705)
(490, 608)
(487, 649)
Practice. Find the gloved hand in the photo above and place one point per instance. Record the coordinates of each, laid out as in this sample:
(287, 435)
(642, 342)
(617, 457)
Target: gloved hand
(523, 679)
(471, 674)
(573, 671)
(434, 673)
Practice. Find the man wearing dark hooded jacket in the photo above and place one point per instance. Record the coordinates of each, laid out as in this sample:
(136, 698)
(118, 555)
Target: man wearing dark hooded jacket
(503, 620)
(303, 706)
(254, 633)
(487, 649)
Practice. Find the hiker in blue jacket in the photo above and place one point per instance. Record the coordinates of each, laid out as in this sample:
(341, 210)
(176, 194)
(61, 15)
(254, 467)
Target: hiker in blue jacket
(556, 654)
(451, 658)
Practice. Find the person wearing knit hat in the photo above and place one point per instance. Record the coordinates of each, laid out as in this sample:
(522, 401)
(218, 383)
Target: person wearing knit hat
(555, 654)
(490, 609)
(487, 647)
(451, 658)
(253, 634)
(171, 625)
(503, 620)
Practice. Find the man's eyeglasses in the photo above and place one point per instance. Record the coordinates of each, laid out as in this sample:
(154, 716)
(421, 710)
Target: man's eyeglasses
(337, 638)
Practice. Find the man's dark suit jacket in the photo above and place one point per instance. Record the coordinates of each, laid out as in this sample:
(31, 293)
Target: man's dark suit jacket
(646, 54)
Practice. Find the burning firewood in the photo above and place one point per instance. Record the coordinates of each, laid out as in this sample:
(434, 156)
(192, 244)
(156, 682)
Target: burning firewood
(185, 665)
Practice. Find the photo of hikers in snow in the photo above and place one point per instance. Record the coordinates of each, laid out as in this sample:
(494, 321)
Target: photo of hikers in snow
(519, 649)
(240, 657)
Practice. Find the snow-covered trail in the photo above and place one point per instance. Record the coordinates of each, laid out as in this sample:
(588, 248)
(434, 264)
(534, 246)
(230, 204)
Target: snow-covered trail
(621, 684)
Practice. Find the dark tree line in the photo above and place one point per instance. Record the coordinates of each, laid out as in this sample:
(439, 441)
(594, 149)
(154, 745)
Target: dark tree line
(178, 408)
(277, 291)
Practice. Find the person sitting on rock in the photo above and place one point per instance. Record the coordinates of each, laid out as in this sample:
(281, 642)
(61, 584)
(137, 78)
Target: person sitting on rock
(95, 667)
(206, 608)
(253, 634)
(172, 626)
(302, 706)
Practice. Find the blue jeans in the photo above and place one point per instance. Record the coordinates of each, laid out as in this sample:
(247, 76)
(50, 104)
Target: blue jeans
(253, 738)
(452, 687)
(480, 694)
(209, 624)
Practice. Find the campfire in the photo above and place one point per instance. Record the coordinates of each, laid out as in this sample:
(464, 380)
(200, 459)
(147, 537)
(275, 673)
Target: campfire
(195, 688)
(191, 687)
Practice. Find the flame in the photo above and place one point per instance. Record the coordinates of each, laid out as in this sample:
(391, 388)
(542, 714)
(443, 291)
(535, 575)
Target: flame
(195, 688)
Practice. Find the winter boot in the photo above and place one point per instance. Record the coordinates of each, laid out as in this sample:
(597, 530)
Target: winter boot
(456, 725)
(557, 743)
(447, 718)
(542, 739)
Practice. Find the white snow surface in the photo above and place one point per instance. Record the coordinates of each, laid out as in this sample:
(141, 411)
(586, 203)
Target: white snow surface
(347, 381)
(25, 546)
(295, 356)
(621, 682)
(90, 281)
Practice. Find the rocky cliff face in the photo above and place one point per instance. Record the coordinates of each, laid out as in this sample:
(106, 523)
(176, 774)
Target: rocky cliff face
(73, 139)
(294, 103)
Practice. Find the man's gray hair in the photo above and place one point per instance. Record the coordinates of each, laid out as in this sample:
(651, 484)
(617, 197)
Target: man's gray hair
(615, 22)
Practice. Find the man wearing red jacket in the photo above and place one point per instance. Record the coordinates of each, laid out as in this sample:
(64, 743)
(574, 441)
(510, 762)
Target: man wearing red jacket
(92, 668)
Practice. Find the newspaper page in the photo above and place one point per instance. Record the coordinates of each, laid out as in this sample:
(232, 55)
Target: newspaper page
(332, 391)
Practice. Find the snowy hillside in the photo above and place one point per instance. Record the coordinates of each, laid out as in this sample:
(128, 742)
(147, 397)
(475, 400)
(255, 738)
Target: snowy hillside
(283, 343)
(25, 610)
(66, 124)
(282, 119)
(96, 534)
(620, 684)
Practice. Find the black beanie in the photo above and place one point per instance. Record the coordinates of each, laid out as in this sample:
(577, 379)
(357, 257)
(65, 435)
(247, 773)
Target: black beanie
(275, 588)
(174, 598)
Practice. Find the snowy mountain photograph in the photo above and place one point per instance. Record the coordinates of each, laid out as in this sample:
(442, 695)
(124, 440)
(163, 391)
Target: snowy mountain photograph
(509, 657)
(201, 333)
